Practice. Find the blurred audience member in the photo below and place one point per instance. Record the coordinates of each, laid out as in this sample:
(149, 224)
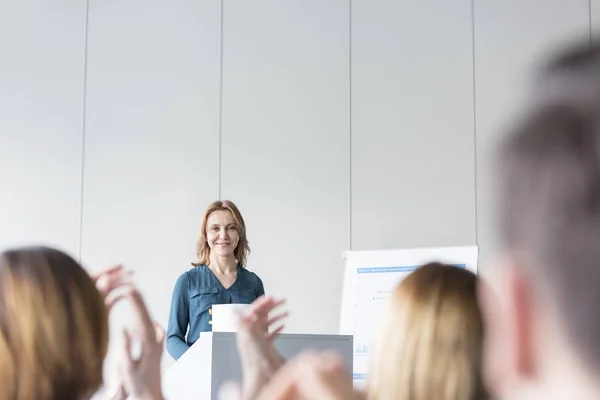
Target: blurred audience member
(54, 329)
(538, 300)
(428, 347)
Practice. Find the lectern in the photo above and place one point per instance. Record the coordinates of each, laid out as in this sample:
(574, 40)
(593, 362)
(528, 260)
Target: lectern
(214, 359)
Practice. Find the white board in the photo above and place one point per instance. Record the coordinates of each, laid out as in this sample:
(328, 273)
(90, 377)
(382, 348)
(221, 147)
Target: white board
(369, 279)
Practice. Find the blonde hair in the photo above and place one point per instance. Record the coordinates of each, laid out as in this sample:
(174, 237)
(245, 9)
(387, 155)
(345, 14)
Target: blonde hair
(53, 327)
(429, 344)
(202, 248)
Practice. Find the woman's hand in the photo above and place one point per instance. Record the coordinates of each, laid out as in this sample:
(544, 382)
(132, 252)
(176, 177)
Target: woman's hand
(138, 378)
(311, 376)
(259, 358)
(141, 376)
(113, 284)
(257, 330)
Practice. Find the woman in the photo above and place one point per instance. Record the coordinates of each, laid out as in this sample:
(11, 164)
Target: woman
(428, 347)
(54, 329)
(218, 276)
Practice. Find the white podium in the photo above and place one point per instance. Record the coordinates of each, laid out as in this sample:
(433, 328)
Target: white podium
(214, 359)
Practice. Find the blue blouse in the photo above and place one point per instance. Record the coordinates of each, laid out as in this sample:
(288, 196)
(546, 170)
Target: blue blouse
(194, 294)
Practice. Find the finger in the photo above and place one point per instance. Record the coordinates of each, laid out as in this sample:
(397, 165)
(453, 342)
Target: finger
(249, 318)
(142, 320)
(260, 303)
(275, 332)
(243, 322)
(263, 305)
(121, 290)
(242, 314)
(109, 270)
(160, 338)
(277, 318)
(111, 301)
(160, 333)
(106, 283)
(127, 348)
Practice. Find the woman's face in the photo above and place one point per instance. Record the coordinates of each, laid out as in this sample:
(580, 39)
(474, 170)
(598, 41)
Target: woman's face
(221, 233)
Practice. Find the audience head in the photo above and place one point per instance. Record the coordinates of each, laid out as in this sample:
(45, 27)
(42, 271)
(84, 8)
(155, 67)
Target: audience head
(539, 303)
(53, 327)
(569, 78)
(429, 344)
(222, 218)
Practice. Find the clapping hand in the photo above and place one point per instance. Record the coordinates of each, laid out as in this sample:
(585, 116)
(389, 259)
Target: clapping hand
(260, 360)
(311, 376)
(137, 378)
(141, 376)
(113, 284)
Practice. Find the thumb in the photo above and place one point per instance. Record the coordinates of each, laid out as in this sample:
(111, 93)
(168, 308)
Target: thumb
(160, 333)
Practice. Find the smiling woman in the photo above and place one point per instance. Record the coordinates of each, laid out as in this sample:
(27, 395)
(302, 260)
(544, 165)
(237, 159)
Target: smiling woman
(218, 276)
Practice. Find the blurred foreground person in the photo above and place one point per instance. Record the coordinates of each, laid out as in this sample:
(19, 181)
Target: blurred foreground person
(430, 343)
(54, 329)
(539, 299)
(428, 347)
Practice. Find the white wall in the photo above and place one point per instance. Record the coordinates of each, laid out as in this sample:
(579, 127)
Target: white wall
(285, 147)
(511, 38)
(413, 165)
(42, 52)
(151, 138)
(333, 125)
(595, 18)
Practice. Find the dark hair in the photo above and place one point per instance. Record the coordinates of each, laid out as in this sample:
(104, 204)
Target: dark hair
(571, 76)
(549, 195)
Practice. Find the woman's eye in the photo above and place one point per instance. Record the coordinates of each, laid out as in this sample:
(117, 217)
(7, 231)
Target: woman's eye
(232, 228)
(214, 228)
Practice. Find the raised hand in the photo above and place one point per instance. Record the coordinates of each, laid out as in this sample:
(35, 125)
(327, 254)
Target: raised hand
(260, 360)
(113, 284)
(259, 320)
(311, 376)
(141, 376)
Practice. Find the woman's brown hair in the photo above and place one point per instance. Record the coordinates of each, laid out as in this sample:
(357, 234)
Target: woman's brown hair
(429, 344)
(53, 327)
(202, 247)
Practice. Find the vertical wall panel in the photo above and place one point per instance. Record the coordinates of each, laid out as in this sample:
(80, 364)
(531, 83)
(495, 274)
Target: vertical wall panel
(285, 155)
(511, 39)
(42, 47)
(413, 170)
(151, 145)
(595, 19)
